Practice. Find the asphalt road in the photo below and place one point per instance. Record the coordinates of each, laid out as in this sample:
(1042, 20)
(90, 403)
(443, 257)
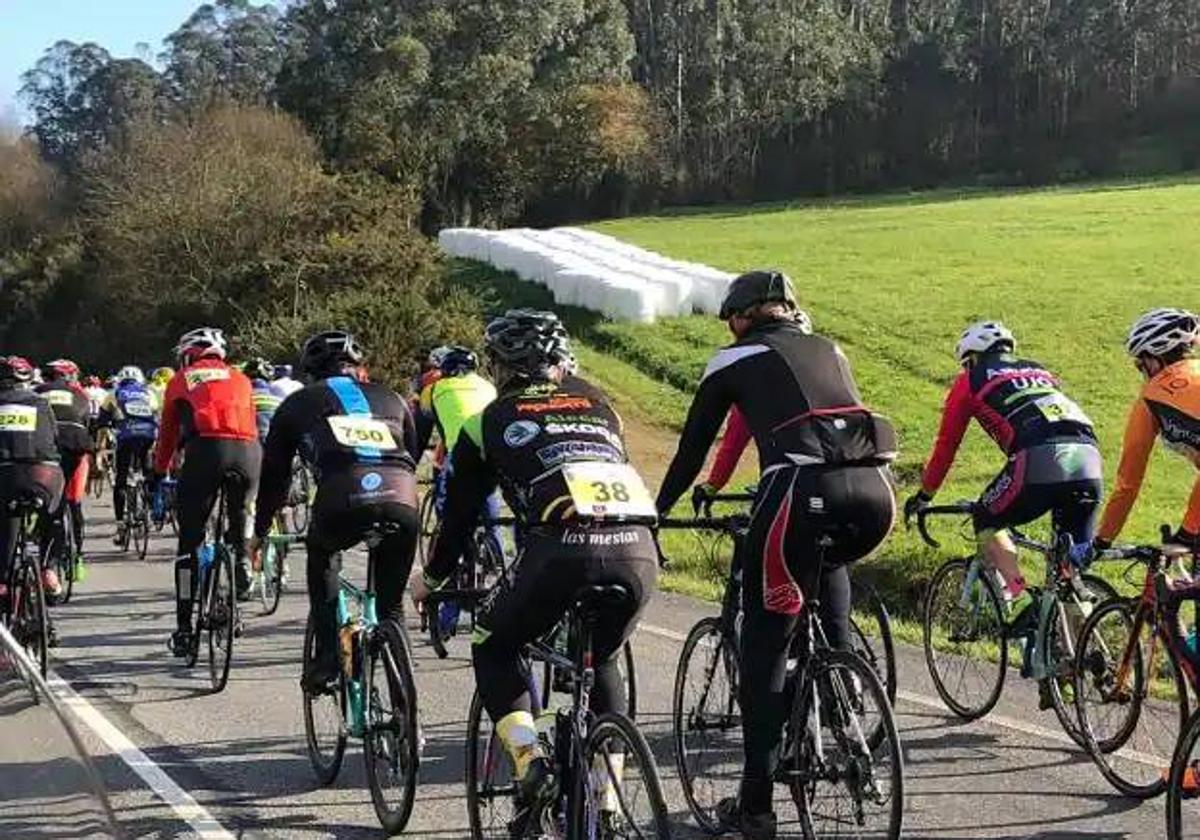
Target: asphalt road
(182, 762)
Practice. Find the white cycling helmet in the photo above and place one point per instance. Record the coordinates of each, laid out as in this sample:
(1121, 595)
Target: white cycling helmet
(438, 355)
(1160, 331)
(205, 341)
(981, 337)
(131, 373)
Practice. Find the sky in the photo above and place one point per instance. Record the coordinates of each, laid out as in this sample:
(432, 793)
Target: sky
(28, 27)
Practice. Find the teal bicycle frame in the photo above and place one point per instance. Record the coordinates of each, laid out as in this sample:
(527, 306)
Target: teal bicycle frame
(354, 626)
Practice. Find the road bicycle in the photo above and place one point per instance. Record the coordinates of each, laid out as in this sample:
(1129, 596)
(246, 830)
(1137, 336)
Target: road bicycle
(162, 505)
(840, 757)
(967, 626)
(301, 491)
(270, 579)
(482, 565)
(373, 698)
(1132, 671)
(608, 783)
(137, 512)
(63, 552)
(214, 605)
(1183, 785)
(25, 613)
(100, 474)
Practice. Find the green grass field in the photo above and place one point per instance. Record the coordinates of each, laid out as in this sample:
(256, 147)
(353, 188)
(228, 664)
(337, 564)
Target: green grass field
(896, 279)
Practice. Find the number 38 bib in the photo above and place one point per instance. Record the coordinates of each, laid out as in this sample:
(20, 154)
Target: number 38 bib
(361, 432)
(604, 490)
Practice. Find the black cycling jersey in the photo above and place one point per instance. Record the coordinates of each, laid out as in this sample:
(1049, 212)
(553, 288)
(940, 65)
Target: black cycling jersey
(342, 424)
(28, 428)
(556, 451)
(72, 410)
(799, 400)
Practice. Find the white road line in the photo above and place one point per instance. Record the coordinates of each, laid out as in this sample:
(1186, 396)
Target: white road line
(1001, 721)
(164, 787)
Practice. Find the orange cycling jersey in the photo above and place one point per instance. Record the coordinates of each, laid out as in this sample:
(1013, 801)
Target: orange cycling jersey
(1169, 407)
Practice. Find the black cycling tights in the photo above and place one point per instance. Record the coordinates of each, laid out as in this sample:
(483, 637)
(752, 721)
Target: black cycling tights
(854, 506)
(129, 452)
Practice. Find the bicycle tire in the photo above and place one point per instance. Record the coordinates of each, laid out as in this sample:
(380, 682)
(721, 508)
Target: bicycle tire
(1064, 709)
(272, 578)
(685, 720)
(617, 726)
(71, 555)
(953, 572)
(486, 763)
(804, 781)
(326, 767)
(865, 596)
(427, 522)
(401, 744)
(222, 618)
(143, 534)
(1103, 751)
(31, 615)
(1180, 765)
(631, 682)
(199, 618)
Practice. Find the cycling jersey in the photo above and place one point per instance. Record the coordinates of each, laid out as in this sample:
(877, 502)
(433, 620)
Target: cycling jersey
(799, 399)
(1017, 402)
(208, 399)
(1168, 408)
(452, 400)
(96, 396)
(132, 411)
(286, 386)
(737, 437)
(28, 428)
(71, 407)
(267, 398)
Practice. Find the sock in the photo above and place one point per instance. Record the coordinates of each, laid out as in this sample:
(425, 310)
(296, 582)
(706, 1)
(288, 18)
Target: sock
(519, 736)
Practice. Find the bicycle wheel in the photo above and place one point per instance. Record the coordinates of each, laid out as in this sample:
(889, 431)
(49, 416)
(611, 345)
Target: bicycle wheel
(1183, 788)
(871, 636)
(301, 498)
(324, 719)
(270, 578)
(222, 617)
(142, 533)
(491, 788)
(847, 787)
(620, 795)
(965, 645)
(1060, 653)
(629, 675)
(428, 527)
(1129, 733)
(69, 559)
(30, 620)
(200, 601)
(391, 743)
(707, 722)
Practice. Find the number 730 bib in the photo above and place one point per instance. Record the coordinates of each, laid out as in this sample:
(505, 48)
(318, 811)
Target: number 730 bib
(604, 490)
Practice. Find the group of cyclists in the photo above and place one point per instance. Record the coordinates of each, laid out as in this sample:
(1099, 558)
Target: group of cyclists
(549, 444)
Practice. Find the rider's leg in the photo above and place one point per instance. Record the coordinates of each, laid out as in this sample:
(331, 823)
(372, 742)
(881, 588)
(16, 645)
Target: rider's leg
(124, 459)
(196, 494)
(242, 462)
(999, 506)
(392, 560)
(324, 563)
(835, 606)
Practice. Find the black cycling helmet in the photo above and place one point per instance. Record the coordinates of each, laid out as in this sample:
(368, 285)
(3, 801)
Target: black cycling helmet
(458, 361)
(329, 353)
(754, 288)
(259, 368)
(527, 341)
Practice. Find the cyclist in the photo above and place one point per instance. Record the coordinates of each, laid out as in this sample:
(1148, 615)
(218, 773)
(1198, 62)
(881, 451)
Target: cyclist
(96, 396)
(71, 407)
(283, 381)
(29, 459)
(824, 461)
(1163, 345)
(158, 383)
(554, 446)
(209, 413)
(362, 437)
(267, 396)
(132, 411)
(430, 371)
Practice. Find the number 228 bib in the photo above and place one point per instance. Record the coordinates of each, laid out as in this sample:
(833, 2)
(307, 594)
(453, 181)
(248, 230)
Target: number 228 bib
(606, 490)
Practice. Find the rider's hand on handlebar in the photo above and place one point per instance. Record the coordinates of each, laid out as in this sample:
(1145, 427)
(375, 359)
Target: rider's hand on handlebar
(701, 495)
(914, 503)
(1184, 538)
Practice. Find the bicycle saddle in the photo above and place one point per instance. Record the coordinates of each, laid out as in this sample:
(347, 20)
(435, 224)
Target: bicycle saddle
(26, 502)
(595, 598)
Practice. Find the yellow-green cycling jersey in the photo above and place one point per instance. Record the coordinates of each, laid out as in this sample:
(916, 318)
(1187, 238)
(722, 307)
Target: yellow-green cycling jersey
(452, 400)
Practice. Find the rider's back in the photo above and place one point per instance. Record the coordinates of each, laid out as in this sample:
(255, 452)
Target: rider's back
(27, 428)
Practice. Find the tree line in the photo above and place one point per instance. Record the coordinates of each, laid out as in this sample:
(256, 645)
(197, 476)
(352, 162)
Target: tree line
(388, 117)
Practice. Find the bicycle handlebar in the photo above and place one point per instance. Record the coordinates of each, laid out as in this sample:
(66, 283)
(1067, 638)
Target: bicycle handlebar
(956, 509)
(704, 523)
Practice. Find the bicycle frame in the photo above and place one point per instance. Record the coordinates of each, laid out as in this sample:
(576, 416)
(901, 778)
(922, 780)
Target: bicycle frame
(1159, 604)
(354, 633)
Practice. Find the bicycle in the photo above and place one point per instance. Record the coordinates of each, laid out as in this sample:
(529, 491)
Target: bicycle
(162, 505)
(214, 605)
(597, 760)
(300, 496)
(966, 626)
(63, 552)
(374, 698)
(271, 578)
(1118, 667)
(482, 565)
(100, 475)
(1184, 782)
(25, 613)
(706, 717)
(137, 512)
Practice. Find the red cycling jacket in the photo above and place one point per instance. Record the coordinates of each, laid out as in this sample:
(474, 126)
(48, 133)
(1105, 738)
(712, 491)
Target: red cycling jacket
(1017, 402)
(207, 399)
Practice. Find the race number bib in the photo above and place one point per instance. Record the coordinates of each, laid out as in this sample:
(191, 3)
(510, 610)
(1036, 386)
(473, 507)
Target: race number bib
(198, 376)
(18, 418)
(1058, 407)
(59, 397)
(603, 490)
(139, 409)
(361, 432)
